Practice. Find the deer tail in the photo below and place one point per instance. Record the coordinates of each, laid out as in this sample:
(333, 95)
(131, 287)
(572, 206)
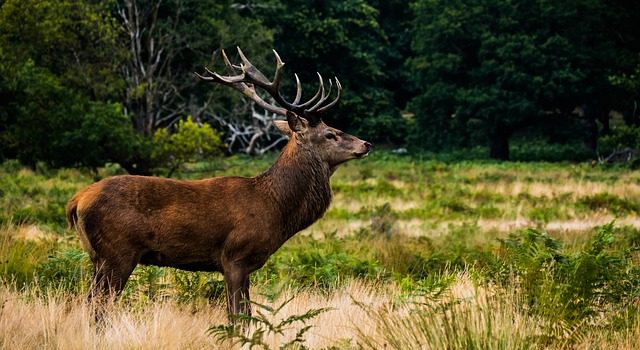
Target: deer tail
(72, 212)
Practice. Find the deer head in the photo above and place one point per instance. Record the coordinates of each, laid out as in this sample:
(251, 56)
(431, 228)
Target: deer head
(303, 125)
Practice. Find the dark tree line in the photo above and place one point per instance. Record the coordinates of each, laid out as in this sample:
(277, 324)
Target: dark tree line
(85, 82)
(493, 69)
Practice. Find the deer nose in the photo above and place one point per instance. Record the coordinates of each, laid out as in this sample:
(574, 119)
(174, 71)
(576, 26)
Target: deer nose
(368, 144)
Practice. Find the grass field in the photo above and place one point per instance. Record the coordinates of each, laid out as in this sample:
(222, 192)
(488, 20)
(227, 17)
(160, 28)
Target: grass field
(413, 253)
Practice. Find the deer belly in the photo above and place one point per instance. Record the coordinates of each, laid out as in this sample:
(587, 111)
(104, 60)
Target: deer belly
(188, 263)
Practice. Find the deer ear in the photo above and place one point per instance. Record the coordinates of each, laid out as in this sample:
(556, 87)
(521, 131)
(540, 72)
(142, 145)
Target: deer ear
(296, 123)
(283, 126)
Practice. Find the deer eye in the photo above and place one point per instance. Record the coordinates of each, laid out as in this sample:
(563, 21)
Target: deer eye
(330, 136)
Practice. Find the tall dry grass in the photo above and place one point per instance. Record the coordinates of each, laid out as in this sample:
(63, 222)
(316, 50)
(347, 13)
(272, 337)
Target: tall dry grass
(63, 321)
(362, 316)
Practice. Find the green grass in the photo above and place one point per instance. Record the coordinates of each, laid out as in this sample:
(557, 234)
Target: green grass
(571, 281)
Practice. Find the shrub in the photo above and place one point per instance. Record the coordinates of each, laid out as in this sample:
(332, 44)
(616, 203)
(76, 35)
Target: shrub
(544, 151)
(620, 138)
(189, 142)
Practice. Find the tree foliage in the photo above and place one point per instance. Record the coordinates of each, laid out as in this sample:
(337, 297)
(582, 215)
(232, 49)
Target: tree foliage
(82, 84)
(85, 82)
(58, 72)
(343, 39)
(497, 67)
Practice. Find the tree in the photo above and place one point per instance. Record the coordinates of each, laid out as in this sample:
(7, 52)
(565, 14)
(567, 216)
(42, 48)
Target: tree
(494, 68)
(167, 41)
(341, 38)
(58, 69)
(394, 18)
(64, 63)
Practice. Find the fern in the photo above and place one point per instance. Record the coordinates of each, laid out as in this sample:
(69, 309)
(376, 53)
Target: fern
(262, 327)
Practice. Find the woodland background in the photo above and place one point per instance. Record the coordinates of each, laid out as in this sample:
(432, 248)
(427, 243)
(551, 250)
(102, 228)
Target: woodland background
(89, 82)
(434, 241)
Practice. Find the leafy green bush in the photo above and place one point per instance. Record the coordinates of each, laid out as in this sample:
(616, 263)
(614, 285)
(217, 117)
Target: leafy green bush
(189, 142)
(102, 133)
(544, 151)
(620, 138)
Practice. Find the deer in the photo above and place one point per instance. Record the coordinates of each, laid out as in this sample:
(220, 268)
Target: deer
(230, 224)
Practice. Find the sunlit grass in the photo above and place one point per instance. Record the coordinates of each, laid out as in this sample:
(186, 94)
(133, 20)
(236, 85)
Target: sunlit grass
(360, 315)
(411, 253)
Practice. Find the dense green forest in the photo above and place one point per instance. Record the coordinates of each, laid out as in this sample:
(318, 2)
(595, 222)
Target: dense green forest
(88, 82)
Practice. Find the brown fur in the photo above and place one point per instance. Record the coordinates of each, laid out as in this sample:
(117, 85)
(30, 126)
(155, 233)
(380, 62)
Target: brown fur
(226, 224)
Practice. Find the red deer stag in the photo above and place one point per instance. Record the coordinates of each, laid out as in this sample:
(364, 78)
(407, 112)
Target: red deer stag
(226, 224)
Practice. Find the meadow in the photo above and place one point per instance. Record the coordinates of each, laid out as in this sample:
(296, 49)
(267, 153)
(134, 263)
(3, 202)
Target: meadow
(413, 253)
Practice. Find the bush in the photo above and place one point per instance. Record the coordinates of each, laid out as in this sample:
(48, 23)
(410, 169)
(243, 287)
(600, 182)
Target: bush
(189, 142)
(544, 151)
(102, 133)
(620, 138)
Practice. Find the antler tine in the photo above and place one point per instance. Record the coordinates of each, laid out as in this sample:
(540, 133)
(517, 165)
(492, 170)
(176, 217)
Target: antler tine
(298, 90)
(250, 77)
(202, 77)
(254, 75)
(326, 107)
(230, 67)
(239, 83)
(315, 97)
(215, 77)
(278, 73)
(322, 100)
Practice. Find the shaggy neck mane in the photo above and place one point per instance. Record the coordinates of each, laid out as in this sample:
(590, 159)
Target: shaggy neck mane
(298, 183)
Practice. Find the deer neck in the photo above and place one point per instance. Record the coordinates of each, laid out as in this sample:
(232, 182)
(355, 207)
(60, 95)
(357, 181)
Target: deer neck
(298, 184)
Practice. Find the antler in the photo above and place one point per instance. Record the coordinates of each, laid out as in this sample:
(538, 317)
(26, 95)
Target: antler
(250, 77)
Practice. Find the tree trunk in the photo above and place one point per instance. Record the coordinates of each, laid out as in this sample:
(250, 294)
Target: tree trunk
(604, 119)
(499, 144)
(592, 132)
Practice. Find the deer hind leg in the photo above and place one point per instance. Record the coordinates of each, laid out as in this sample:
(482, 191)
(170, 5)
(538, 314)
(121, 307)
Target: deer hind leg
(110, 276)
(237, 284)
(109, 279)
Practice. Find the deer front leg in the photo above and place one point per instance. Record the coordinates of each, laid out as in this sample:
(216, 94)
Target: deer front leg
(237, 284)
